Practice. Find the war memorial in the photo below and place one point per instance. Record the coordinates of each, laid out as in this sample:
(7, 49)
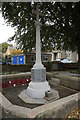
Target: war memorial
(46, 95)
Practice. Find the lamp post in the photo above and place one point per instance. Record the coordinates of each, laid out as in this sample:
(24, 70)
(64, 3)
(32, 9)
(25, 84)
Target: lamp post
(38, 85)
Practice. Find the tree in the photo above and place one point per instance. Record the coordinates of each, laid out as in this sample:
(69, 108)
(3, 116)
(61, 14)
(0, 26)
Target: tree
(0, 51)
(0, 47)
(67, 22)
(5, 46)
(23, 19)
(60, 25)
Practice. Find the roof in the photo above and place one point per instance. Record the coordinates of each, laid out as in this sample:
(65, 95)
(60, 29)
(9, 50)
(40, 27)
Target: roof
(9, 49)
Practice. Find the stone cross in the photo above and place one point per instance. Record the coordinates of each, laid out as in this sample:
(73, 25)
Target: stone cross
(38, 85)
(38, 63)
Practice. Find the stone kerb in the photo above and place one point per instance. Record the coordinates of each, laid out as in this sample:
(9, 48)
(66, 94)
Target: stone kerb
(12, 77)
(13, 109)
(56, 109)
(18, 76)
(22, 112)
(4, 102)
(70, 81)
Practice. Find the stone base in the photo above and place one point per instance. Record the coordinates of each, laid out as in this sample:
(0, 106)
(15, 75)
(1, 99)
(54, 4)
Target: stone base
(52, 96)
(37, 89)
(39, 85)
(27, 99)
(38, 75)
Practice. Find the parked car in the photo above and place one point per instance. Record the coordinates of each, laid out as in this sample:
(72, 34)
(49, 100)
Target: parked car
(58, 60)
(2, 62)
(64, 60)
(8, 63)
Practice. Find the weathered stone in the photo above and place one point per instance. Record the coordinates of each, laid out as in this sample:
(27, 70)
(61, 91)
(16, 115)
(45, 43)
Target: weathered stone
(0, 112)
(48, 94)
(52, 94)
(4, 102)
(19, 111)
(27, 99)
(70, 81)
(12, 77)
(38, 75)
(49, 97)
(38, 72)
(56, 109)
(54, 81)
(38, 89)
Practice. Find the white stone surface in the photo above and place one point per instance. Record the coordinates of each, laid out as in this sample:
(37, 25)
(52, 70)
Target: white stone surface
(38, 42)
(37, 89)
(39, 85)
(38, 66)
(27, 99)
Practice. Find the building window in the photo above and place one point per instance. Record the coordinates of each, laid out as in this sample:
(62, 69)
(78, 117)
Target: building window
(55, 56)
(45, 58)
(15, 60)
(68, 55)
(20, 59)
(33, 58)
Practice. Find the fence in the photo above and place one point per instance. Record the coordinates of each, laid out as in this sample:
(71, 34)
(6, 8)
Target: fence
(49, 67)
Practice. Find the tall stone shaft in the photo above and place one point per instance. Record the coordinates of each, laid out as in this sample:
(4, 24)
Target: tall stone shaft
(38, 85)
(38, 45)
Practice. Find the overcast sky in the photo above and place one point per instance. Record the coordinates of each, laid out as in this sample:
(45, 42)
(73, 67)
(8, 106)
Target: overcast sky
(5, 31)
